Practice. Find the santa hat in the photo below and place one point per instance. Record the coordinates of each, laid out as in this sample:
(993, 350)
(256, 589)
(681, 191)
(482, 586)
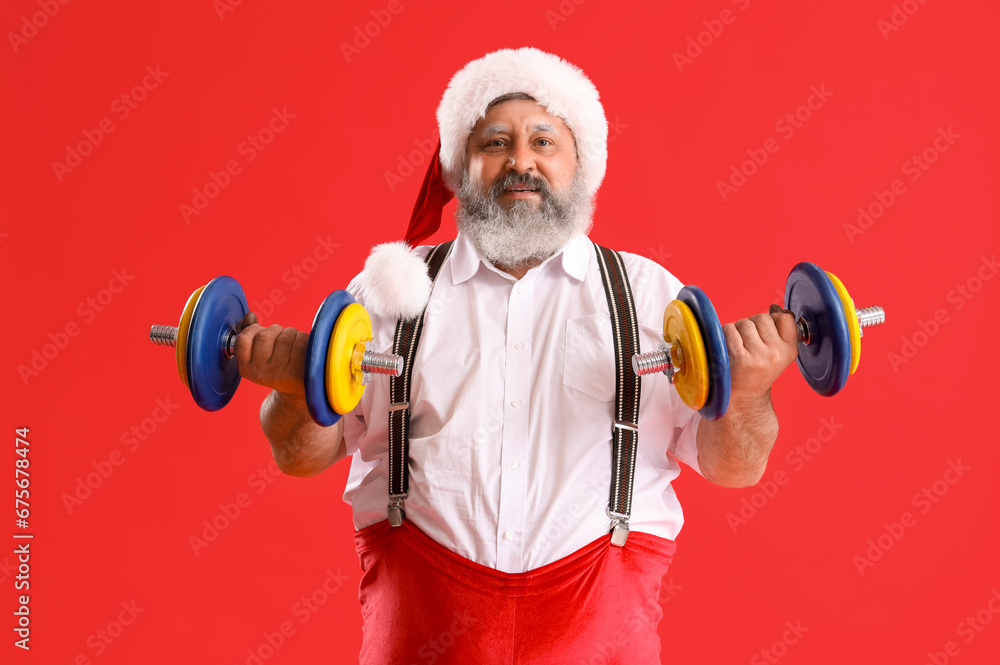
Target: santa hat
(396, 282)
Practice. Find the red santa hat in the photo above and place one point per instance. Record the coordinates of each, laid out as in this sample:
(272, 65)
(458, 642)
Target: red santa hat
(393, 284)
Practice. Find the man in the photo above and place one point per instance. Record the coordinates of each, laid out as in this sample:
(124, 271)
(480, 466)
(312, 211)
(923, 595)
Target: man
(495, 541)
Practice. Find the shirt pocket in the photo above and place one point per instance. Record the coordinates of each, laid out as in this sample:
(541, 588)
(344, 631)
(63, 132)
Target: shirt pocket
(589, 361)
(589, 358)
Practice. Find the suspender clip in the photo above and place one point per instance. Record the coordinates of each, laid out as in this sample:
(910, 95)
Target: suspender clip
(396, 512)
(619, 529)
(621, 424)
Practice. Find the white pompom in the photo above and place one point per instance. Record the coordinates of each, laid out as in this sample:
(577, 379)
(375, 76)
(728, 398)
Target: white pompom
(395, 281)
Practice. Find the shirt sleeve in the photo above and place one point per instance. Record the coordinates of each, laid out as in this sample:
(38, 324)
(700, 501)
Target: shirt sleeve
(685, 444)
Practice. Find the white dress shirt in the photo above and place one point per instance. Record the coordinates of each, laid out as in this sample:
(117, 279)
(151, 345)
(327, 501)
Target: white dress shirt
(511, 405)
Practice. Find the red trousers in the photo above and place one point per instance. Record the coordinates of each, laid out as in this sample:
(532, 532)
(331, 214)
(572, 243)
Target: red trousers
(423, 604)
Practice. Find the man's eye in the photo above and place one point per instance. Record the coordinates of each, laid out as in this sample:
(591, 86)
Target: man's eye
(544, 142)
(495, 143)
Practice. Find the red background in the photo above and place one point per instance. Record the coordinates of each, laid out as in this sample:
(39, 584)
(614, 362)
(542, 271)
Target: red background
(676, 132)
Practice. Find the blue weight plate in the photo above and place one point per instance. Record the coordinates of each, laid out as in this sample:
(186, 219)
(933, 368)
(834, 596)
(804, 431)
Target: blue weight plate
(319, 342)
(825, 362)
(719, 378)
(212, 377)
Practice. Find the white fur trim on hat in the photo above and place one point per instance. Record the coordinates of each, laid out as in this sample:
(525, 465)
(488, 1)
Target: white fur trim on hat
(563, 89)
(395, 282)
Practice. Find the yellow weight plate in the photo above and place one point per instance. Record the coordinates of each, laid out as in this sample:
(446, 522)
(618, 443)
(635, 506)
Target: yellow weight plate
(853, 329)
(687, 352)
(343, 358)
(182, 334)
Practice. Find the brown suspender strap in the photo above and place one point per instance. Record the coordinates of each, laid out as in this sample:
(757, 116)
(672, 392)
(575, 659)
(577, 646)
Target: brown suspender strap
(405, 345)
(625, 430)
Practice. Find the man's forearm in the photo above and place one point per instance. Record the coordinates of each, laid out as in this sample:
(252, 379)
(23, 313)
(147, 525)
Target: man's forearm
(300, 446)
(733, 450)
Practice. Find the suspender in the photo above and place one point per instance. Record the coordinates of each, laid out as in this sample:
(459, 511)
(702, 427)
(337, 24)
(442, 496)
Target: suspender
(625, 430)
(405, 344)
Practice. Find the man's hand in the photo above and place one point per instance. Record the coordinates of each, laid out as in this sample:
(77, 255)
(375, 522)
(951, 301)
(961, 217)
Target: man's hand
(733, 450)
(760, 349)
(273, 357)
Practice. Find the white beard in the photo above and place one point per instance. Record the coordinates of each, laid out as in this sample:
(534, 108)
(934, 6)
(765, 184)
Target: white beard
(527, 232)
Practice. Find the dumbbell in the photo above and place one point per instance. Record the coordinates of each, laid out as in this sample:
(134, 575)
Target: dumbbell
(694, 355)
(339, 360)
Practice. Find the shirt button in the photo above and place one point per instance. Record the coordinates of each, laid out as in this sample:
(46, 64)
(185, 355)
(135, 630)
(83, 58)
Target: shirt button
(518, 345)
(521, 290)
(513, 464)
(515, 403)
(509, 535)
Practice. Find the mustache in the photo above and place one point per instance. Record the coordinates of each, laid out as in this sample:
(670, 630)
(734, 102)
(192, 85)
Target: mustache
(519, 180)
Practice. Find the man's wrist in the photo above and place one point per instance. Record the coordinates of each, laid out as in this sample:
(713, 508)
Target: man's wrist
(290, 401)
(749, 406)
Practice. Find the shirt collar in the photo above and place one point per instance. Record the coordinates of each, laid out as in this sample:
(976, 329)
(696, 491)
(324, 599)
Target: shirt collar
(574, 258)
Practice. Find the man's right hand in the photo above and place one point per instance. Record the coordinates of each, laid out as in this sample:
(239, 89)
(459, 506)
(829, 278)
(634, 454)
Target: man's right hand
(274, 357)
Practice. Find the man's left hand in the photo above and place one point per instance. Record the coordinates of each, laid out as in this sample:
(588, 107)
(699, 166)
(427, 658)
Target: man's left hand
(760, 349)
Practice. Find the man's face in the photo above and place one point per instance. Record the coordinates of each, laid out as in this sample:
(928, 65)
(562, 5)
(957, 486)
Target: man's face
(521, 148)
(522, 197)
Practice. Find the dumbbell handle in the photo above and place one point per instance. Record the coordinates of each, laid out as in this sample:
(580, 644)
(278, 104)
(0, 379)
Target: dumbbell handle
(659, 360)
(867, 317)
(655, 361)
(372, 362)
(167, 336)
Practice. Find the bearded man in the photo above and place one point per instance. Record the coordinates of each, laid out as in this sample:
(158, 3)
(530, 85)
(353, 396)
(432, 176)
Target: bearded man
(480, 480)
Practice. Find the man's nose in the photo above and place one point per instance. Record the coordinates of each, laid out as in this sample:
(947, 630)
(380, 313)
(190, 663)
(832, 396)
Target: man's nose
(521, 160)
